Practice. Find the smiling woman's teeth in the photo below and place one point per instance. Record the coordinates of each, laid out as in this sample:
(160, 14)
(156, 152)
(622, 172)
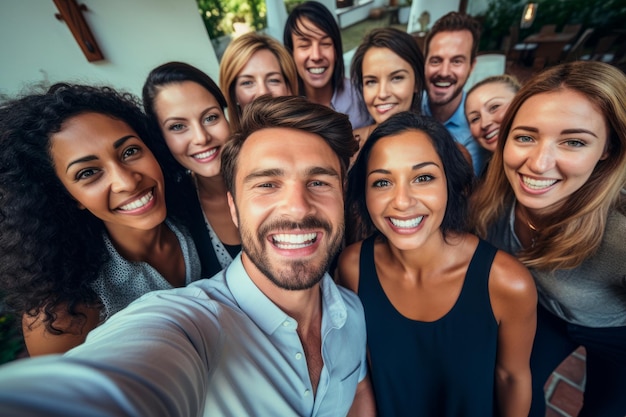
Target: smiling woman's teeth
(384, 107)
(137, 203)
(406, 224)
(317, 70)
(492, 134)
(205, 154)
(294, 241)
(537, 184)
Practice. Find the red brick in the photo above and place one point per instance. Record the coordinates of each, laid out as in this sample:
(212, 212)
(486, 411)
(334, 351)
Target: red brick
(573, 369)
(568, 398)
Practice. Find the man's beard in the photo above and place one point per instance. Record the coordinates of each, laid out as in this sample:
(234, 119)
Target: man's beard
(294, 275)
(455, 93)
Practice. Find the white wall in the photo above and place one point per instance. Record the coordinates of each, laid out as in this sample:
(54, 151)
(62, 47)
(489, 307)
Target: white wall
(349, 16)
(276, 18)
(359, 12)
(134, 37)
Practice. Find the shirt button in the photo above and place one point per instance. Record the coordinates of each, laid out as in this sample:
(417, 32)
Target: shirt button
(298, 356)
(306, 393)
(285, 323)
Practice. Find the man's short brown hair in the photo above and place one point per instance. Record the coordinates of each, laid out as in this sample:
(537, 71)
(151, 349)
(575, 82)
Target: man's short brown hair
(290, 112)
(453, 22)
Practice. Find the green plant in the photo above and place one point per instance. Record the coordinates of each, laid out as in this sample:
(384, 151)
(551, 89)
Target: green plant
(290, 4)
(219, 15)
(497, 20)
(11, 341)
(211, 12)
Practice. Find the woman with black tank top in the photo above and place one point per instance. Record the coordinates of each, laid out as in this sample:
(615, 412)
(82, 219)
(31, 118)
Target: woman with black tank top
(450, 319)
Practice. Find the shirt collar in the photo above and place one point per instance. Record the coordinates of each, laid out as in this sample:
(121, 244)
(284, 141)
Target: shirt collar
(267, 315)
(457, 118)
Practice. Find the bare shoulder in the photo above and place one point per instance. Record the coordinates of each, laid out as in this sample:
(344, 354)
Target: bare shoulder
(348, 267)
(512, 288)
(70, 331)
(510, 277)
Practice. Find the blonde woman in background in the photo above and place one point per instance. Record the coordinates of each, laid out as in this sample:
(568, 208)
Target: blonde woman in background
(253, 65)
(485, 105)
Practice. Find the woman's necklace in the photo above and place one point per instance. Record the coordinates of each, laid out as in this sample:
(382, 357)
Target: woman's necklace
(533, 232)
(531, 227)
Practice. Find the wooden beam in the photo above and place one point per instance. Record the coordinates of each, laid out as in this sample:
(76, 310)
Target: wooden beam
(71, 13)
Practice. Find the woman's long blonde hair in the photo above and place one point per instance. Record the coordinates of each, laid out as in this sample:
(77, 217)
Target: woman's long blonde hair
(583, 216)
(237, 55)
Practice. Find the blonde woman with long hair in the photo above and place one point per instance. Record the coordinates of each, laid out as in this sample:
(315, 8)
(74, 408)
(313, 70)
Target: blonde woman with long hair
(552, 195)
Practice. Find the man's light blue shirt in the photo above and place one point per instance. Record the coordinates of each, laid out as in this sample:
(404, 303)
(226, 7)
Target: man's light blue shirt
(459, 129)
(217, 347)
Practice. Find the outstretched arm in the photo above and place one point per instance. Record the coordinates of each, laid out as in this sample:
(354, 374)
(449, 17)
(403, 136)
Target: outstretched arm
(514, 300)
(151, 359)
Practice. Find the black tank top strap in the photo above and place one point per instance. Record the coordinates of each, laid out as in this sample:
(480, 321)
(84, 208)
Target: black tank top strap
(367, 267)
(476, 285)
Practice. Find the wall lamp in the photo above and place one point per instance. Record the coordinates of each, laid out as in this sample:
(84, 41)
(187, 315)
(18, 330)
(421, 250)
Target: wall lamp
(528, 16)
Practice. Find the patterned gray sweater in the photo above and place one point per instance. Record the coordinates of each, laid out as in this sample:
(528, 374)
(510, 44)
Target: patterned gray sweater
(121, 281)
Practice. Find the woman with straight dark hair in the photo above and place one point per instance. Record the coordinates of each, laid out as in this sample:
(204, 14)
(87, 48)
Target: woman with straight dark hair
(185, 111)
(388, 71)
(313, 38)
(450, 319)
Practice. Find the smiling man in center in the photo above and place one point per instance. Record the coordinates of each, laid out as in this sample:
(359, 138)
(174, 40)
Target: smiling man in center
(270, 335)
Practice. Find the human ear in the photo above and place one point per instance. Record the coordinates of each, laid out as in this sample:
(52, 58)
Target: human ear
(233, 209)
(607, 150)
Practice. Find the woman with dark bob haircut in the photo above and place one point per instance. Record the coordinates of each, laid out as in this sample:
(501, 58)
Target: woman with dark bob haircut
(436, 298)
(313, 38)
(82, 213)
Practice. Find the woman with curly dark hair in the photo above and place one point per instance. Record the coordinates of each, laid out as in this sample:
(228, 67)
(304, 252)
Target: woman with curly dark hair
(82, 214)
